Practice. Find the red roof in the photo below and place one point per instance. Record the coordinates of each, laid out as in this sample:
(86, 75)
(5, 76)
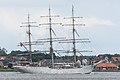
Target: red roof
(106, 65)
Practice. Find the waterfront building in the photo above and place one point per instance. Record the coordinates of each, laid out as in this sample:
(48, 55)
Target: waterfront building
(106, 67)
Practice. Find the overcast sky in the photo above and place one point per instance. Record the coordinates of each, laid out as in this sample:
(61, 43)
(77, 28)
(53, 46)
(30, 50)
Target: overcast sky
(102, 19)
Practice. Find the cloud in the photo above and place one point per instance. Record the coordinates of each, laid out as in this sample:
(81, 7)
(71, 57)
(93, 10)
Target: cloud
(11, 19)
(31, 3)
(91, 22)
(8, 19)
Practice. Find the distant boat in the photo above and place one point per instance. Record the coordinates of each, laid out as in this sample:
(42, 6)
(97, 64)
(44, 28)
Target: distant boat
(62, 68)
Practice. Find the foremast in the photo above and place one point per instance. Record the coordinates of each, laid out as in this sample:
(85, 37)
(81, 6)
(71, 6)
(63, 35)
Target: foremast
(29, 43)
(29, 37)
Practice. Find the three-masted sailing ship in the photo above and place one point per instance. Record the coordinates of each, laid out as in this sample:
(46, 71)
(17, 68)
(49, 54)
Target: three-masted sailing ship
(59, 70)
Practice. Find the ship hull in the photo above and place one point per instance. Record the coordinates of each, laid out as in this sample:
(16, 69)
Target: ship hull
(46, 70)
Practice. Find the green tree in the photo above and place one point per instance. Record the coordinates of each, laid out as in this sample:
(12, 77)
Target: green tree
(3, 52)
(14, 53)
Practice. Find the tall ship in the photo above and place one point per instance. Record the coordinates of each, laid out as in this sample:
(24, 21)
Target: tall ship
(76, 66)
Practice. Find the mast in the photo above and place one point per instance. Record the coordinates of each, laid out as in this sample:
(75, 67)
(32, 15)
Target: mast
(50, 31)
(29, 37)
(29, 43)
(74, 46)
(73, 32)
(51, 45)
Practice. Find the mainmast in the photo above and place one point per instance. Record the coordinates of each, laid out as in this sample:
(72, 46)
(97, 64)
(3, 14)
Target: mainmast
(74, 46)
(50, 31)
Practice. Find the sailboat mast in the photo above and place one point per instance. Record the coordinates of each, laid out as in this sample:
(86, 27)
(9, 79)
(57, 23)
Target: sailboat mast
(50, 33)
(74, 46)
(29, 43)
(51, 45)
(74, 32)
(29, 37)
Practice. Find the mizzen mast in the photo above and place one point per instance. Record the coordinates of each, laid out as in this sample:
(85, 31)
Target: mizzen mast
(74, 31)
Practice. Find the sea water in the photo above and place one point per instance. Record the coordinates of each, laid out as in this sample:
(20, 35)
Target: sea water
(92, 76)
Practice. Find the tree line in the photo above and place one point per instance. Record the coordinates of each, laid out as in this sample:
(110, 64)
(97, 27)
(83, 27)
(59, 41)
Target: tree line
(35, 57)
(39, 56)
